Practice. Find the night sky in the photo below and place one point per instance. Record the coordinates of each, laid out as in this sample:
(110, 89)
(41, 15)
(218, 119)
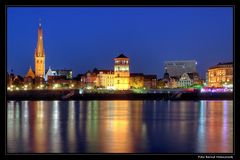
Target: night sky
(87, 37)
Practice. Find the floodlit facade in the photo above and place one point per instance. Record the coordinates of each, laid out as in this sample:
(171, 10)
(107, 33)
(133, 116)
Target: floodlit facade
(150, 81)
(39, 55)
(177, 68)
(105, 79)
(30, 73)
(188, 79)
(121, 72)
(220, 75)
(136, 80)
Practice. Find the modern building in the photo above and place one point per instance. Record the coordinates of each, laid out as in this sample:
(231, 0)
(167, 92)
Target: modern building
(220, 75)
(136, 80)
(177, 68)
(121, 72)
(39, 55)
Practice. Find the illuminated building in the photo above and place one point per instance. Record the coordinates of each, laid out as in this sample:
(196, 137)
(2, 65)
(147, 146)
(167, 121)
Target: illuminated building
(49, 73)
(177, 68)
(64, 72)
(89, 79)
(220, 75)
(173, 82)
(30, 73)
(188, 79)
(28, 79)
(105, 79)
(39, 55)
(150, 81)
(136, 80)
(121, 72)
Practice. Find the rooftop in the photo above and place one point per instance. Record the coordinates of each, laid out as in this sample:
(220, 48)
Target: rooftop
(122, 56)
(219, 65)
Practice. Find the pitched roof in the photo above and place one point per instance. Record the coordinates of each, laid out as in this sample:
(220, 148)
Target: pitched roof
(192, 75)
(105, 71)
(219, 65)
(121, 56)
(225, 63)
(30, 73)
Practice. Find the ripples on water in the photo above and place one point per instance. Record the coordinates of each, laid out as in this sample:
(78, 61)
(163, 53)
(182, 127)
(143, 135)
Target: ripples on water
(120, 126)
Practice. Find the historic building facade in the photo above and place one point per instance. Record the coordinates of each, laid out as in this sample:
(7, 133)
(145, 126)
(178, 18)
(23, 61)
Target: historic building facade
(136, 80)
(189, 79)
(105, 79)
(121, 72)
(220, 75)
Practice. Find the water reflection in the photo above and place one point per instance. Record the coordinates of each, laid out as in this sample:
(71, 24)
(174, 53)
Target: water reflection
(215, 130)
(71, 127)
(116, 133)
(55, 130)
(40, 128)
(120, 126)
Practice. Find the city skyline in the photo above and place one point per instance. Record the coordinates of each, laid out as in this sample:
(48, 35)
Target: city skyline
(128, 38)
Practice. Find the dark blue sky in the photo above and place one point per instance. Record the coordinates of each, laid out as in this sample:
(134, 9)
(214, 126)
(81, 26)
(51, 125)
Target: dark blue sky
(87, 37)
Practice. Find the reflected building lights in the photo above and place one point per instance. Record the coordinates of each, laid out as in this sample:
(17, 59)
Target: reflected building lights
(55, 144)
(25, 125)
(92, 125)
(119, 126)
(118, 130)
(227, 126)
(71, 127)
(40, 129)
(201, 127)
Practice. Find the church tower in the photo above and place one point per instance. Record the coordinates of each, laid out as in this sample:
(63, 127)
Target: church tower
(39, 55)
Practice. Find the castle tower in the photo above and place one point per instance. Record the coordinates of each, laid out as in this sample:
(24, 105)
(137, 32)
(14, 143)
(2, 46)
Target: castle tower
(39, 55)
(121, 72)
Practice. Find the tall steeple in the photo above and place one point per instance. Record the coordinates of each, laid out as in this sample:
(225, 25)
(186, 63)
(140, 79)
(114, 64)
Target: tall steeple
(39, 55)
(39, 50)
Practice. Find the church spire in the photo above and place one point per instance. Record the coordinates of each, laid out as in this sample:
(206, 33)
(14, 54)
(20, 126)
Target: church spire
(39, 50)
(39, 55)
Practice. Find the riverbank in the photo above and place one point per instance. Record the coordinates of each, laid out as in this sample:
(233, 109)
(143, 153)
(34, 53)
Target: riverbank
(74, 95)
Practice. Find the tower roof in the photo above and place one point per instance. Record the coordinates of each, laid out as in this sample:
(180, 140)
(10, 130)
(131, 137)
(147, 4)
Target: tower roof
(30, 73)
(122, 56)
(39, 52)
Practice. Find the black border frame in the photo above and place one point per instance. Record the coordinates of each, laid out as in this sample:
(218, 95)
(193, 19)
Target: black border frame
(105, 3)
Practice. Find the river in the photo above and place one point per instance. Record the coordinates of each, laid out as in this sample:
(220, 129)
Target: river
(120, 126)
